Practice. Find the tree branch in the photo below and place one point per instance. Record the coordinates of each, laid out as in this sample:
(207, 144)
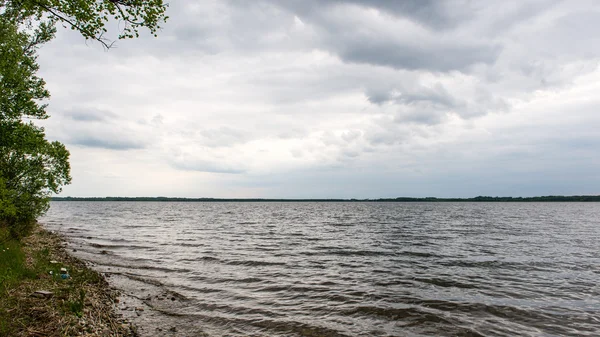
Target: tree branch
(118, 5)
(81, 29)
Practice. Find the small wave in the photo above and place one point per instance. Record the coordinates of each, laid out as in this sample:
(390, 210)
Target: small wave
(201, 259)
(111, 246)
(254, 263)
(144, 267)
(386, 312)
(340, 252)
(420, 254)
(445, 282)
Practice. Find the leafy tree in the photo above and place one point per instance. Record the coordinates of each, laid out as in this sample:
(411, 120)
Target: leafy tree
(31, 167)
(90, 17)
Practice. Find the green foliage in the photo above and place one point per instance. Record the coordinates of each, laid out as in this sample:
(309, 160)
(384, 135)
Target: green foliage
(90, 17)
(31, 167)
(20, 88)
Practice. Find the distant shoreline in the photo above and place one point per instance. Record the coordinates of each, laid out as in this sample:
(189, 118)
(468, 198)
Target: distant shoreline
(550, 198)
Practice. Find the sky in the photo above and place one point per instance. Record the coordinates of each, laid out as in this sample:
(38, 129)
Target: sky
(335, 99)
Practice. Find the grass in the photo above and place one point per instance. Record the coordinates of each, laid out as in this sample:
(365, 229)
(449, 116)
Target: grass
(82, 304)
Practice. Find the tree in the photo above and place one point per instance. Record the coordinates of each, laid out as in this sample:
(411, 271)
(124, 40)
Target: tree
(31, 167)
(90, 17)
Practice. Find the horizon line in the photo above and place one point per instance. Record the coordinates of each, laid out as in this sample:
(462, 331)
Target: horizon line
(477, 198)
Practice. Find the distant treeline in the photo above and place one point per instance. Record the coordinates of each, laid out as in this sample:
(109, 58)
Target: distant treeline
(549, 198)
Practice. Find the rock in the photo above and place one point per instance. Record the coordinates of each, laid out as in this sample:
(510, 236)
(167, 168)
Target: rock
(42, 294)
(173, 329)
(172, 298)
(139, 309)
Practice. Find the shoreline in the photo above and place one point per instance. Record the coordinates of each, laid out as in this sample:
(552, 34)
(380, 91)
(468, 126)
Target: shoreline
(42, 303)
(147, 308)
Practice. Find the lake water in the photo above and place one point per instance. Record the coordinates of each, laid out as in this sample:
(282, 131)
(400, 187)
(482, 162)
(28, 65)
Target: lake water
(350, 269)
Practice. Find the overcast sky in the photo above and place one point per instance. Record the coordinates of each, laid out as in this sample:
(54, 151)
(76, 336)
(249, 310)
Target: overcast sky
(324, 99)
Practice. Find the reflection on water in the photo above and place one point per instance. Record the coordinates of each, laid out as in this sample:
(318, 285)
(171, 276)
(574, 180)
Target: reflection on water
(353, 269)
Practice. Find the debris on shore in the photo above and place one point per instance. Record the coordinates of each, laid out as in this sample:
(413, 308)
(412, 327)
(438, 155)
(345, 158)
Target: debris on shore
(47, 292)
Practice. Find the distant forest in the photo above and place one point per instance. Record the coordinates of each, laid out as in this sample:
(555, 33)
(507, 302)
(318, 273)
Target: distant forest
(549, 198)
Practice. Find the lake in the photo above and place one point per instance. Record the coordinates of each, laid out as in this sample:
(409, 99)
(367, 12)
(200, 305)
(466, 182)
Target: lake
(349, 268)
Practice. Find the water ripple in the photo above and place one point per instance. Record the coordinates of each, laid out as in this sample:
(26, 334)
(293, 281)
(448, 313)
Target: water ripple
(352, 269)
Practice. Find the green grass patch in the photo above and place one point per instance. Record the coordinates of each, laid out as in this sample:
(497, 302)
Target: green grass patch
(33, 264)
(12, 265)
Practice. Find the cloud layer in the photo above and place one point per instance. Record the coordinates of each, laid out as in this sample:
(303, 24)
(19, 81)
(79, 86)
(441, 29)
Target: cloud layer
(335, 99)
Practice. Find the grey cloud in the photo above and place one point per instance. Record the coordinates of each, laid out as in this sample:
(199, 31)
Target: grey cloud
(224, 137)
(255, 68)
(97, 128)
(360, 43)
(434, 57)
(431, 105)
(378, 97)
(436, 95)
(434, 14)
(89, 114)
(190, 164)
(385, 132)
(254, 27)
(292, 133)
(418, 104)
(351, 135)
(350, 153)
(108, 142)
(421, 116)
